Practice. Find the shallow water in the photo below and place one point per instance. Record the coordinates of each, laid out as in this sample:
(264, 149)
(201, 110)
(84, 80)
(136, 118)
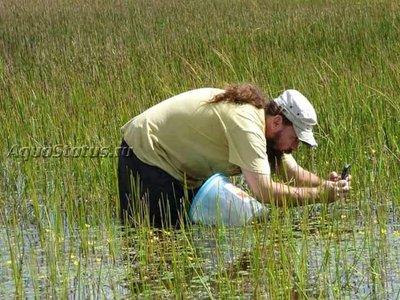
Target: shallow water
(56, 267)
(352, 268)
(95, 262)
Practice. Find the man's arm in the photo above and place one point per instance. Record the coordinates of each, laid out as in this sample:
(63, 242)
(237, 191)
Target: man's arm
(304, 177)
(289, 169)
(268, 191)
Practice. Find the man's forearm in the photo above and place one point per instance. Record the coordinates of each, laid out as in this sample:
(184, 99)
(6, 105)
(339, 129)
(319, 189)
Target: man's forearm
(305, 178)
(280, 194)
(269, 191)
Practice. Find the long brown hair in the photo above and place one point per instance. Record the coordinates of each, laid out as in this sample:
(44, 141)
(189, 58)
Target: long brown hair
(245, 93)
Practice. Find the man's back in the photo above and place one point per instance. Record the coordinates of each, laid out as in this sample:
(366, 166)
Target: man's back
(188, 137)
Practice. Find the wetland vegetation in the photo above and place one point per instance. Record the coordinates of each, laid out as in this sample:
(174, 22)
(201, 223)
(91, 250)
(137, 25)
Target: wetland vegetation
(72, 72)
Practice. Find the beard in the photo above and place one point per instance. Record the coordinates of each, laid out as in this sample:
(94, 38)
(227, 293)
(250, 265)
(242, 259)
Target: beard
(274, 155)
(274, 151)
(273, 144)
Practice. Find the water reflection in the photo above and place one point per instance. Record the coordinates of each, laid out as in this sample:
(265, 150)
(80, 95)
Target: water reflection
(348, 262)
(321, 260)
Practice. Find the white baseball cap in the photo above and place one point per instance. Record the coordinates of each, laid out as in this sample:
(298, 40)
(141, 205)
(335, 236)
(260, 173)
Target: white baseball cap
(299, 111)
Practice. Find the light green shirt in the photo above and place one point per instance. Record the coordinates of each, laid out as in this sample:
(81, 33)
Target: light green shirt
(190, 138)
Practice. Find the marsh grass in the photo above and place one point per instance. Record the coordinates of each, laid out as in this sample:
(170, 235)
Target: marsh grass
(73, 72)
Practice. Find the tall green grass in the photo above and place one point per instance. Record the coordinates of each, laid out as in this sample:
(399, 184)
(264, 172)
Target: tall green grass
(73, 72)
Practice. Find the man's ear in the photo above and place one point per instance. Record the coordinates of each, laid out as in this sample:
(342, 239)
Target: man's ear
(277, 122)
(273, 125)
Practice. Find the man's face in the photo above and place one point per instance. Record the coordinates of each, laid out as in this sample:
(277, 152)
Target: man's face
(285, 139)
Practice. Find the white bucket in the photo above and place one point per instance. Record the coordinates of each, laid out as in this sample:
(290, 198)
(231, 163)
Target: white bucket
(220, 202)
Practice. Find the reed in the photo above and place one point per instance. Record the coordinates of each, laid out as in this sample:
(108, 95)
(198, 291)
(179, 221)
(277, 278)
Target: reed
(73, 72)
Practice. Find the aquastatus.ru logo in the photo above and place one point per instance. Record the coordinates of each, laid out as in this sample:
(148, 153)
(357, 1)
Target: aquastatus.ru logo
(62, 151)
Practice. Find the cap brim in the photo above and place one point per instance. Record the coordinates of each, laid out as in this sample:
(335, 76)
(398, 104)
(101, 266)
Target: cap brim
(305, 135)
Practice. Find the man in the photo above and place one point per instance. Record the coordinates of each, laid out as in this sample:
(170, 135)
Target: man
(169, 150)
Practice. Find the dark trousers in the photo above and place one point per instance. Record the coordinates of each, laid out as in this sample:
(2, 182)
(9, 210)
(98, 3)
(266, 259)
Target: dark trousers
(149, 194)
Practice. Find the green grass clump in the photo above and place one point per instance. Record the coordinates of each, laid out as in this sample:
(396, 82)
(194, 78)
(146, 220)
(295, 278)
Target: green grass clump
(73, 72)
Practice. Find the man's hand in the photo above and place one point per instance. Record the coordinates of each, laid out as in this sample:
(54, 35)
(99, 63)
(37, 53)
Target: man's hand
(334, 176)
(337, 189)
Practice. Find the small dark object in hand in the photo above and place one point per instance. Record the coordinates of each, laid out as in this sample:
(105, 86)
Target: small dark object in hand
(346, 171)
